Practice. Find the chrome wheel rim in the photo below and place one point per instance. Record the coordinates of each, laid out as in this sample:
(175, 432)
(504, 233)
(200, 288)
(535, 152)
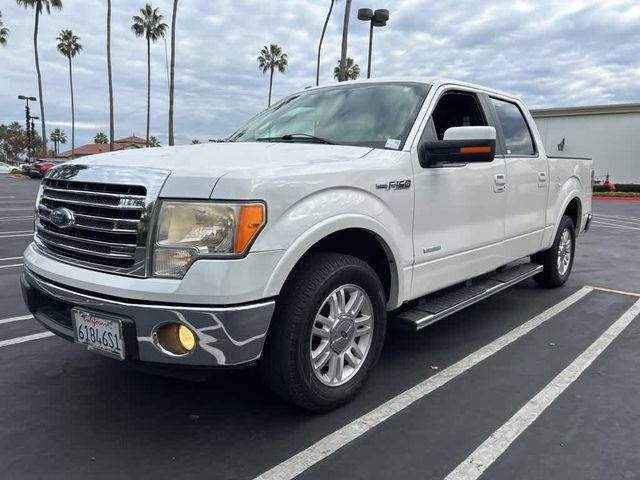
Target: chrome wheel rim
(564, 252)
(341, 335)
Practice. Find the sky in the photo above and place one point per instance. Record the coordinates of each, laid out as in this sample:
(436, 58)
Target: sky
(550, 53)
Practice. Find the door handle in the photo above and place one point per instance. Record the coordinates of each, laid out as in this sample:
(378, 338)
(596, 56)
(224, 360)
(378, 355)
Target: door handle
(499, 182)
(542, 179)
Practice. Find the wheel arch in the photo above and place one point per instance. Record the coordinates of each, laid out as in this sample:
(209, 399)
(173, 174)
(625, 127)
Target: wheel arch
(355, 235)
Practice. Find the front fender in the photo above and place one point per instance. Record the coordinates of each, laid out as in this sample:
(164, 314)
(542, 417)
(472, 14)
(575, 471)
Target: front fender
(329, 211)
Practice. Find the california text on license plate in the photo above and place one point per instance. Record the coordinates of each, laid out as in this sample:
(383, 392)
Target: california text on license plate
(99, 333)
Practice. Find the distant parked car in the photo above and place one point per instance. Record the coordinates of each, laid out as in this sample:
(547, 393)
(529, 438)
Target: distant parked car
(5, 168)
(39, 168)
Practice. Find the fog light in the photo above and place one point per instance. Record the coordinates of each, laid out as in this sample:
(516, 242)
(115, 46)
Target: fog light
(186, 338)
(175, 339)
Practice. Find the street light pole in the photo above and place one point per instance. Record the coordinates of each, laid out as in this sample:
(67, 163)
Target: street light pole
(379, 18)
(28, 118)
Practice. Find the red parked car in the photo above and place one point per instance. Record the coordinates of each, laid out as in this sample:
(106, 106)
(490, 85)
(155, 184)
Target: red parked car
(39, 168)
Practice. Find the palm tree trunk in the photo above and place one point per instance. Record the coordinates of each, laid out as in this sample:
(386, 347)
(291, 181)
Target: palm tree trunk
(172, 72)
(345, 34)
(73, 114)
(35, 50)
(270, 86)
(111, 133)
(148, 87)
(324, 30)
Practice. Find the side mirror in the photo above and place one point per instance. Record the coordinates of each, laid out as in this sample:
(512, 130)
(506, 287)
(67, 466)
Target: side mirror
(460, 145)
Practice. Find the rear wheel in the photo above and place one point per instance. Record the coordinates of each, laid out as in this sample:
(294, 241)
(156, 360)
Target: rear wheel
(558, 260)
(327, 332)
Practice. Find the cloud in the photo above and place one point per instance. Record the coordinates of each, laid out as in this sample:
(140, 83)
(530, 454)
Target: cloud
(551, 53)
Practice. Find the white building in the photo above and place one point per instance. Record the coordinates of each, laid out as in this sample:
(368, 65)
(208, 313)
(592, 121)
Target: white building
(610, 134)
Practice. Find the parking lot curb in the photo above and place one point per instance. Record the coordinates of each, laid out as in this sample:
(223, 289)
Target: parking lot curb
(618, 199)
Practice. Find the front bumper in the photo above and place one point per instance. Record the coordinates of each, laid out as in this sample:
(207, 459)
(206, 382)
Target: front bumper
(226, 336)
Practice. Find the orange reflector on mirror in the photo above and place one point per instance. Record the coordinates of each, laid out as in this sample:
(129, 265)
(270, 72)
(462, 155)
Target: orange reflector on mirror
(486, 149)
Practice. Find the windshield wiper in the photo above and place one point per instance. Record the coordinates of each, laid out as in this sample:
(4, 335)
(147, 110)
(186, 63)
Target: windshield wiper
(294, 136)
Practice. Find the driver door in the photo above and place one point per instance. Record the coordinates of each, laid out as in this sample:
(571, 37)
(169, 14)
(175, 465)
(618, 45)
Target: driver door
(459, 212)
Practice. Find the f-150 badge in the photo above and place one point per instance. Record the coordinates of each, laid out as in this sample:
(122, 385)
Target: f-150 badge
(394, 185)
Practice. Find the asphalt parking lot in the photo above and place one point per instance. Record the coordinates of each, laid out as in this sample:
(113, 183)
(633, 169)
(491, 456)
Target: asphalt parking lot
(528, 384)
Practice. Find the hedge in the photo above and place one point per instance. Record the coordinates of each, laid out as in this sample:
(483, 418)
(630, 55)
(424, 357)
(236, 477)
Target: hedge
(620, 187)
(617, 194)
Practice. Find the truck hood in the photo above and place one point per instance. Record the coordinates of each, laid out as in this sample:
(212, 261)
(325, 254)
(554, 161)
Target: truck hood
(195, 169)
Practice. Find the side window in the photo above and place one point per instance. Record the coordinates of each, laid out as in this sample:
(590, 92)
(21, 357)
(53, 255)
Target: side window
(456, 109)
(517, 136)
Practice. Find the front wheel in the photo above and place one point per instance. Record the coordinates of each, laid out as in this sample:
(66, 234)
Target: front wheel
(558, 260)
(327, 332)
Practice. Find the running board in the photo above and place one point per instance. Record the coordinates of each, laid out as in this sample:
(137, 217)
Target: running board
(436, 307)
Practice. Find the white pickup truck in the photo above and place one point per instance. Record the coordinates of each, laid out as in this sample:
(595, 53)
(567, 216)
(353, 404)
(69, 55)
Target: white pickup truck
(337, 211)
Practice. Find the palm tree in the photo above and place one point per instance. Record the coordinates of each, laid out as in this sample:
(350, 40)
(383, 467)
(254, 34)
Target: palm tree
(352, 71)
(324, 30)
(154, 142)
(4, 32)
(345, 33)
(58, 137)
(110, 77)
(38, 5)
(101, 138)
(149, 25)
(173, 67)
(270, 59)
(69, 46)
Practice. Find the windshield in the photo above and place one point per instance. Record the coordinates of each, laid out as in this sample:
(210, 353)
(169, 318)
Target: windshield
(377, 115)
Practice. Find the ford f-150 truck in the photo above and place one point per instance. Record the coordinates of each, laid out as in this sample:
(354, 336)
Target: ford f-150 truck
(337, 211)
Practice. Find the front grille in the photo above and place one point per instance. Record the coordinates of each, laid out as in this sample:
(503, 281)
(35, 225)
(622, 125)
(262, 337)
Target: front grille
(107, 222)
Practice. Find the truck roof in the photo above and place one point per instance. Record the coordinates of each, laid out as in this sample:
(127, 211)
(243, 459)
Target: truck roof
(434, 81)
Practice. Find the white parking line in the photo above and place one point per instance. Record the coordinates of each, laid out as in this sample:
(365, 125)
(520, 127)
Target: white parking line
(18, 235)
(10, 258)
(12, 265)
(499, 441)
(16, 231)
(15, 319)
(300, 462)
(620, 217)
(16, 208)
(11, 219)
(28, 338)
(7, 196)
(616, 219)
(615, 225)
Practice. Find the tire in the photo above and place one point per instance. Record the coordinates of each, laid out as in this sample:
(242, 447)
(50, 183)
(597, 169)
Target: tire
(558, 260)
(296, 334)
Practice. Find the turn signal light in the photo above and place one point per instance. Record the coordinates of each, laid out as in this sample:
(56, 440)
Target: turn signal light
(250, 221)
(486, 149)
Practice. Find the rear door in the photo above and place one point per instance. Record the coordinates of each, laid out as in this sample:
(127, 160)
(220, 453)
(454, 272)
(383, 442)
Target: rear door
(459, 211)
(527, 179)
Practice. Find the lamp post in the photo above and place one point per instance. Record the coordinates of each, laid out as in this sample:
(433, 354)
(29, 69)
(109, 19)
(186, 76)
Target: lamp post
(26, 110)
(378, 18)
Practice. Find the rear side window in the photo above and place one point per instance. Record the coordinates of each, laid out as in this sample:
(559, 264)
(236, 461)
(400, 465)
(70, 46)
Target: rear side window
(517, 136)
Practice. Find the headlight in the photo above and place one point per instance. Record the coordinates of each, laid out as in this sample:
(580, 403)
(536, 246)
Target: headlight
(188, 230)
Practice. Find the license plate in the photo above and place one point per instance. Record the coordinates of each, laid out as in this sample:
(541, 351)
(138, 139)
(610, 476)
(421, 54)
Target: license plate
(99, 333)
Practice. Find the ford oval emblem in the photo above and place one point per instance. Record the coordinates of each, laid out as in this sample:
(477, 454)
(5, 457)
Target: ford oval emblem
(62, 217)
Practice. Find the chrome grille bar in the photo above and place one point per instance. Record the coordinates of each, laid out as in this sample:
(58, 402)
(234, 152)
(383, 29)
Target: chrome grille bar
(111, 208)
